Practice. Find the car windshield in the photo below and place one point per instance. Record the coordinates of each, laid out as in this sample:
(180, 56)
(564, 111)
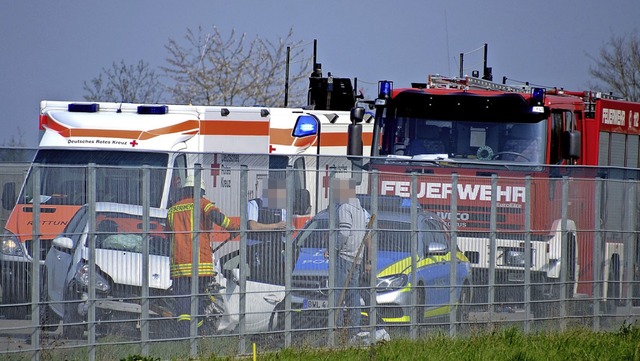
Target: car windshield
(123, 232)
(63, 176)
(119, 232)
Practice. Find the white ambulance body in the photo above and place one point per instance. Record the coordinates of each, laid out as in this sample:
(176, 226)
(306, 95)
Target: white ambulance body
(219, 138)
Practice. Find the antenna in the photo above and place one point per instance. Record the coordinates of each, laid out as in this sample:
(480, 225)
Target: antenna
(286, 79)
(486, 73)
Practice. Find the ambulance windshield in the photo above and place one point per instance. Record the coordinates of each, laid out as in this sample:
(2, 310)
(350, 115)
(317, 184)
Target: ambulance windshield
(63, 176)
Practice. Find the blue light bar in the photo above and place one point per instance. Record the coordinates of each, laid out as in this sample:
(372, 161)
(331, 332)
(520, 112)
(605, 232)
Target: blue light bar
(153, 109)
(306, 125)
(537, 96)
(385, 88)
(83, 107)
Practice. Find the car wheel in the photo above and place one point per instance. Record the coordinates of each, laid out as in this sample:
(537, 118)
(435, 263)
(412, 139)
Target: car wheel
(276, 320)
(72, 325)
(49, 320)
(72, 330)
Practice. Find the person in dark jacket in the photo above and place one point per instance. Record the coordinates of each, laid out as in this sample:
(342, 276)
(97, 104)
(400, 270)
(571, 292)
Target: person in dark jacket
(266, 222)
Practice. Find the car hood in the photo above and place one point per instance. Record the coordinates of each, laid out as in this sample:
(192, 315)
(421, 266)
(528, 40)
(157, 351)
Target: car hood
(312, 262)
(125, 268)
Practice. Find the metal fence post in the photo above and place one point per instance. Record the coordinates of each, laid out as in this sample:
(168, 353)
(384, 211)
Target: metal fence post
(527, 255)
(493, 224)
(91, 239)
(564, 253)
(598, 252)
(373, 255)
(453, 321)
(35, 265)
(242, 307)
(144, 293)
(629, 249)
(288, 256)
(195, 256)
(333, 258)
(413, 327)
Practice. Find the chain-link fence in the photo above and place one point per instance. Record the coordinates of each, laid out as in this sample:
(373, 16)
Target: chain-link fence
(452, 250)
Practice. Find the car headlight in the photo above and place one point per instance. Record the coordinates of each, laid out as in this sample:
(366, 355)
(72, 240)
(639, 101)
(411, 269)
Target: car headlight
(11, 245)
(391, 283)
(82, 277)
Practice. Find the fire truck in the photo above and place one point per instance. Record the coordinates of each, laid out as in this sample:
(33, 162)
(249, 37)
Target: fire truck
(119, 139)
(520, 160)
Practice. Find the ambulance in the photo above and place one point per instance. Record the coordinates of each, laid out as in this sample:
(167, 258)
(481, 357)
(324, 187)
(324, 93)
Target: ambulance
(119, 139)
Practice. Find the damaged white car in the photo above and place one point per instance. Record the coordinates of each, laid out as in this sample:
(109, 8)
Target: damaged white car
(118, 280)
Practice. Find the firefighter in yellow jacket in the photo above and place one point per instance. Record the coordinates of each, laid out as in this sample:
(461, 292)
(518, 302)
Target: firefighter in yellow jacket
(180, 225)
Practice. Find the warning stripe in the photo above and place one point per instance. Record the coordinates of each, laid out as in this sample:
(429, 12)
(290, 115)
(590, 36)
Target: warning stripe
(235, 127)
(284, 137)
(206, 127)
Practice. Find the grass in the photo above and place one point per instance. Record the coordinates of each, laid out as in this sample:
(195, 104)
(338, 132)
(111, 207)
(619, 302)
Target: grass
(506, 344)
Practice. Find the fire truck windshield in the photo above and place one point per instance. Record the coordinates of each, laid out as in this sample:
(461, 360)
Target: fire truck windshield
(63, 176)
(477, 140)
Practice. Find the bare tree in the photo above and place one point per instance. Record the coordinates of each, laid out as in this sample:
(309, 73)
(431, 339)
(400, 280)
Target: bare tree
(125, 83)
(618, 66)
(215, 70)
(15, 149)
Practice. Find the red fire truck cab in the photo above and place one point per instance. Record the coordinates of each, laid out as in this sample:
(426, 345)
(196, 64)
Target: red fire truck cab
(515, 160)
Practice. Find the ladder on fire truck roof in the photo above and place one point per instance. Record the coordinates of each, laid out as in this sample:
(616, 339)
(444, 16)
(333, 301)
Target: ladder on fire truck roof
(466, 83)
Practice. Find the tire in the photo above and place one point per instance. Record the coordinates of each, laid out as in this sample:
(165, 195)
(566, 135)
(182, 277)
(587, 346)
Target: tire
(276, 320)
(72, 326)
(49, 320)
(72, 331)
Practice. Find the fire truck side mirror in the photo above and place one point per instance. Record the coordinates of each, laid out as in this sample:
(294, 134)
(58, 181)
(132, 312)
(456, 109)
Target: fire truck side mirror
(357, 114)
(572, 145)
(354, 146)
(9, 195)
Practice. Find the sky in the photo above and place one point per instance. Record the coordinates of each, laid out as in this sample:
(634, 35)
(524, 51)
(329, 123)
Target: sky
(50, 48)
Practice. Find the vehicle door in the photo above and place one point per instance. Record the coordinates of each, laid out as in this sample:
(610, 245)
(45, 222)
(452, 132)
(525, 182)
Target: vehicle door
(60, 257)
(433, 267)
(260, 299)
